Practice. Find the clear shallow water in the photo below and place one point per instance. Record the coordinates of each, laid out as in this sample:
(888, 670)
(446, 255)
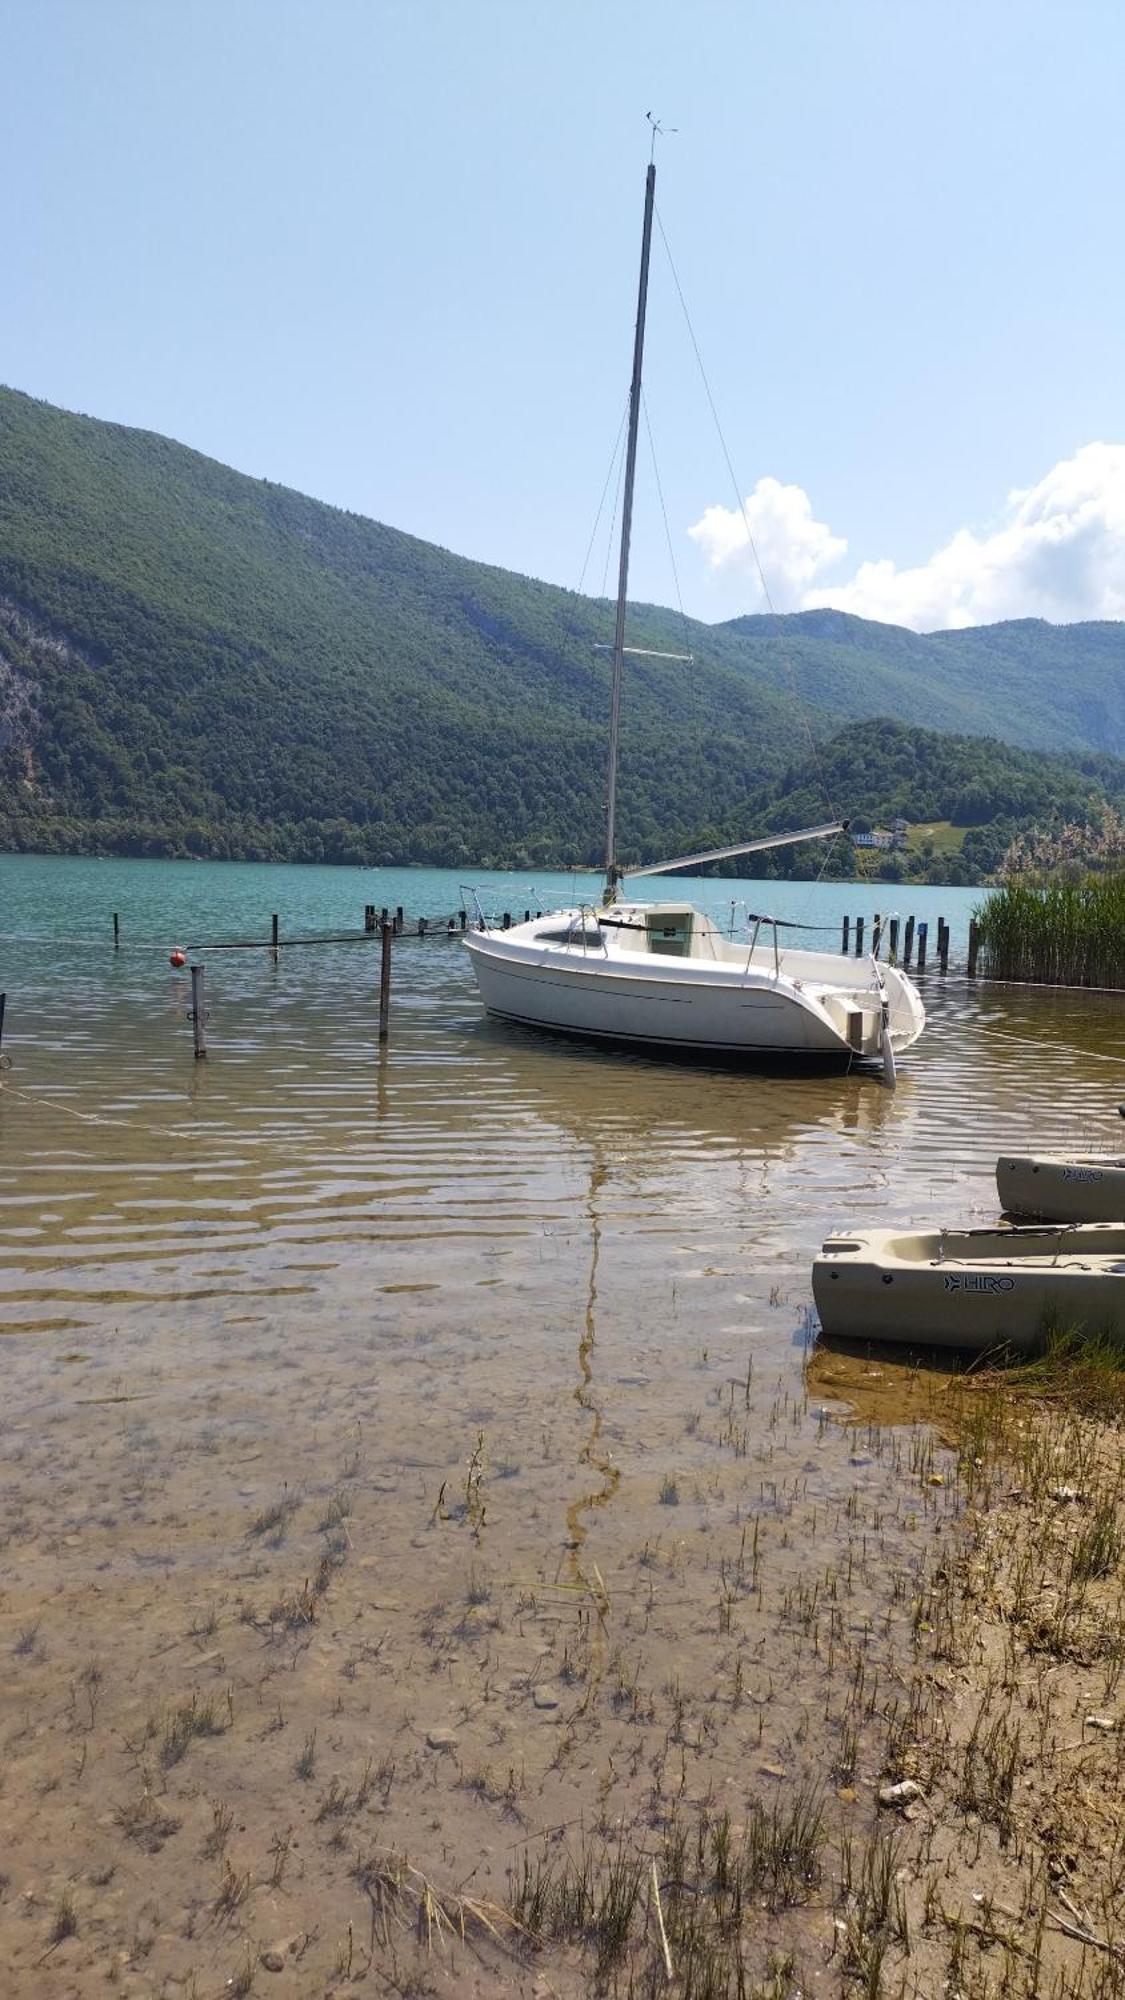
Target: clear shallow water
(295, 1173)
(540, 1309)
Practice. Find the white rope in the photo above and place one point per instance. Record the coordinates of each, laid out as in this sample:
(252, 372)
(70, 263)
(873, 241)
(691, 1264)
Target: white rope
(1062, 1048)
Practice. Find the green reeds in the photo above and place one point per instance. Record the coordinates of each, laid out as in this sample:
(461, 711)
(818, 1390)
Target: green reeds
(1055, 933)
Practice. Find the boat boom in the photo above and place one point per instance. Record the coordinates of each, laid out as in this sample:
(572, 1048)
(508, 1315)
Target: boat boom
(825, 832)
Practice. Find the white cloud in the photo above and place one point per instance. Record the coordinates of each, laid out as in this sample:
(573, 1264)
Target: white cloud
(1057, 551)
(792, 547)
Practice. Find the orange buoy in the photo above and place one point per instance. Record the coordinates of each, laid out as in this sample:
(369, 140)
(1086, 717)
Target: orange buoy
(177, 958)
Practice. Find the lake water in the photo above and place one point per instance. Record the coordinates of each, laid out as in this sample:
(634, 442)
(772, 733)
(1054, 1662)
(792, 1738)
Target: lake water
(539, 1309)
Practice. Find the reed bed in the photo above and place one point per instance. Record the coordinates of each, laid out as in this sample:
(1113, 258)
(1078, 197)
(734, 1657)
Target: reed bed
(1057, 933)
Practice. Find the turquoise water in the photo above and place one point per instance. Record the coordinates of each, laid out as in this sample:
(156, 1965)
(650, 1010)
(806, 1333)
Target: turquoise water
(169, 902)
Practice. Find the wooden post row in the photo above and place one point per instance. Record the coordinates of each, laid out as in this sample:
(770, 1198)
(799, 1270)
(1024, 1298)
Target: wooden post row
(388, 932)
(199, 1011)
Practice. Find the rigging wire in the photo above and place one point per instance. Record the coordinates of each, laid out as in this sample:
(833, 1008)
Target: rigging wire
(774, 614)
(613, 523)
(601, 502)
(667, 529)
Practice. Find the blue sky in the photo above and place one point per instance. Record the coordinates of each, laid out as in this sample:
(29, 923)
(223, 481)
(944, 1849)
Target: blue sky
(386, 253)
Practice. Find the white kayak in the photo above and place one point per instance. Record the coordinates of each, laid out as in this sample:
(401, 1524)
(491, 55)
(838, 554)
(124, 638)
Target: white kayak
(1056, 1190)
(977, 1288)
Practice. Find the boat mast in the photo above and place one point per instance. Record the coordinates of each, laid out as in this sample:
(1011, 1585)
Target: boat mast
(611, 871)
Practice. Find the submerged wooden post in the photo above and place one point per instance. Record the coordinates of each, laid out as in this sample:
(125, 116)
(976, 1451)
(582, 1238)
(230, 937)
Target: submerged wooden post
(892, 952)
(923, 933)
(421, 927)
(845, 935)
(385, 980)
(974, 947)
(859, 937)
(116, 932)
(199, 1010)
(908, 942)
(273, 937)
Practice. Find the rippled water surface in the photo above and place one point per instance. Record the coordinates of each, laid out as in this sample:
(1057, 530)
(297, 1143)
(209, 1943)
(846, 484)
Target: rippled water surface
(441, 1411)
(296, 1181)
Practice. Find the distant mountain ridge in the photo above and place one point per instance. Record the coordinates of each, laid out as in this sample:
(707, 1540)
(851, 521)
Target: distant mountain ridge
(1044, 687)
(195, 661)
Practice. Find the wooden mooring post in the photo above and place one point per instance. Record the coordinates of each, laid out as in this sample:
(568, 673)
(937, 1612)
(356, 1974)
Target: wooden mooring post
(273, 937)
(876, 935)
(3, 1004)
(892, 948)
(974, 947)
(859, 937)
(923, 934)
(388, 933)
(399, 918)
(199, 1010)
(369, 918)
(943, 944)
(845, 935)
(116, 931)
(908, 942)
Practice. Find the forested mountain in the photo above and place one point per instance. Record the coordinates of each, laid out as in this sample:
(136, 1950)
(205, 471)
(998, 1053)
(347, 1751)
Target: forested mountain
(1045, 687)
(194, 661)
(877, 771)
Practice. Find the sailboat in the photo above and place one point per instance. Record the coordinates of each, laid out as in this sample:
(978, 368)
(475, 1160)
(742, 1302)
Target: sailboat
(662, 976)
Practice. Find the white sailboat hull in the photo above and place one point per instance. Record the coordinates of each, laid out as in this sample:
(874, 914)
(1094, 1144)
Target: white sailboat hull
(804, 1006)
(972, 1288)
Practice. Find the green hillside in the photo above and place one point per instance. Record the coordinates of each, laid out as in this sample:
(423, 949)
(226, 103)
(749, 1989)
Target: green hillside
(202, 662)
(197, 662)
(978, 791)
(1045, 687)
